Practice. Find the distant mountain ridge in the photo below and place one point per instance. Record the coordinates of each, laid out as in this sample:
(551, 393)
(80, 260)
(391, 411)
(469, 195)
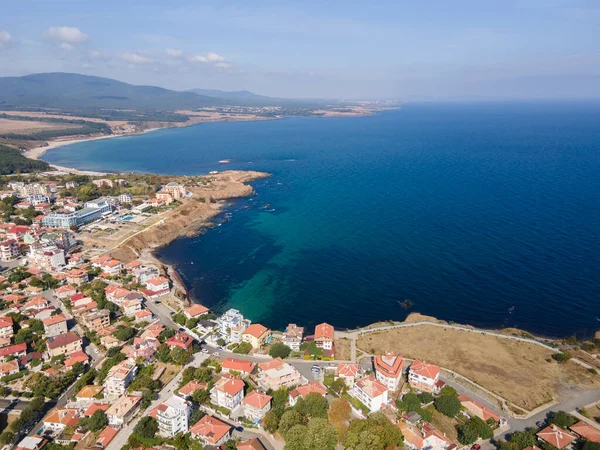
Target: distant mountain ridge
(217, 93)
(69, 90)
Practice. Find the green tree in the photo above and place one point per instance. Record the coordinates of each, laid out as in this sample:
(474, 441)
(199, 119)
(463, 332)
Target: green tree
(295, 439)
(425, 398)
(124, 333)
(467, 434)
(146, 428)
(410, 402)
(523, 439)
(314, 405)
(447, 405)
(97, 421)
(561, 419)
(180, 356)
(179, 318)
(271, 421)
(7, 437)
(88, 192)
(279, 350)
(449, 390)
(374, 433)
(288, 420)
(321, 435)
(243, 348)
(163, 354)
(201, 396)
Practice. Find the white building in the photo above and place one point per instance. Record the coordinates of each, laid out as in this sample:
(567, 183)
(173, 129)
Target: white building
(173, 416)
(232, 324)
(46, 257)
(9, 250)
(292, 337)
(119, 378)
(371, 392)
(227, 392)
(388, 369)
(423, 376)
(125, 198)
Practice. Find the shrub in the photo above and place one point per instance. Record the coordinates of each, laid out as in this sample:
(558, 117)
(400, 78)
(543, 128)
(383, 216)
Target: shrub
(279, 350)
(447, 405)
(562, 357)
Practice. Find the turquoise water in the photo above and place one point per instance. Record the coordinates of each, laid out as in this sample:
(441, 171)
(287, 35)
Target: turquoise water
(478, 213)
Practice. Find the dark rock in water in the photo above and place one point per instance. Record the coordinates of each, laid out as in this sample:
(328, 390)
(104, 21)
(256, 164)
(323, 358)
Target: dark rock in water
(406, 304)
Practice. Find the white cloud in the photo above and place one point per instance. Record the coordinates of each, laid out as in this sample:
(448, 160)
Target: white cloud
(95, 54)
(5, 37)
(135, 58)
(69, 35)
(223, 65)
(174, 53)
(209, 58)
(66, 46)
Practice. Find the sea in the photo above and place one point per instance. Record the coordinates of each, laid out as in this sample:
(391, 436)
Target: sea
(478, 213)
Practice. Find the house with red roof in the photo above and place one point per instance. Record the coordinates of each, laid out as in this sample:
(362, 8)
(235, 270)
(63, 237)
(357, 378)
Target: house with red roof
(9, 368)
(586, 431)
(195, 311)
(227, 392)
(112, 266)
(304, 390)
(65, 291)
(37, 302)
(252, 444)
(324, 338)
(9, 250)
(238, 365)
(371, 392)
(6, 327)
(158, 284)
(256, 405)
(181, 340)
(187, 390)
(423, 376)
(17, 350)
(64, 344)
(55, 325)
(425, 438)
(77, 276)
(388, 369)
(256, 335)
(106, 436)
(76, 357)
(59, 418)
(477, 409)
(89, 412)
(556, 436)
(211, 431)
(348, 373)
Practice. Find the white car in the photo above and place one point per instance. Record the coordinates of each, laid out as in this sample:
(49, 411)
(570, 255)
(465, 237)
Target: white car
(204, 350)
(216, 354)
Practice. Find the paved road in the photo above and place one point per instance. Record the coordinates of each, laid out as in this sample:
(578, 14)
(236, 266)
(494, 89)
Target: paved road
(6, 406)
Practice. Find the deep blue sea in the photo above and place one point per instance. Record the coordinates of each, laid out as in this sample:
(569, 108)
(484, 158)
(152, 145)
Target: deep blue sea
(487, 214)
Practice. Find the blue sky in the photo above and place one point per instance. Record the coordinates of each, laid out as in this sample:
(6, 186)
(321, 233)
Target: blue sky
(406, 50)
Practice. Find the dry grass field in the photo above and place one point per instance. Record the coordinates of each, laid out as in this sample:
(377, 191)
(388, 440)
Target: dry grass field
(523, 373)
(29, 126)
(342, 349)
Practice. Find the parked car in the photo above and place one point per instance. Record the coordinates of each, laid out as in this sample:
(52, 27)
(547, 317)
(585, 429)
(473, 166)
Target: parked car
(204, 350)
(216, 354)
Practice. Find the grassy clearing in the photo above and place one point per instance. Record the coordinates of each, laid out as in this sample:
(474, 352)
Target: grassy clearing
(342, 349)
(517, 371)
(444, 423)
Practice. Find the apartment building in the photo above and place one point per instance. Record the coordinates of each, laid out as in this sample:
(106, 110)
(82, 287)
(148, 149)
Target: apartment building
(173, 416)
(292, 337)
(119, 378)
(371, 392)
(388, 369)
(227, 392)
(96, 320)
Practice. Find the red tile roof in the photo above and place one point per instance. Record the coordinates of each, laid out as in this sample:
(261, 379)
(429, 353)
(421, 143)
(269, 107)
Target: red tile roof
(231, 386)
(196, 310)
(305, 389)
(425, 370)
(192, 387)
(371, 386)
(211, 429)
(556, 436)
(17, 348)
(257, 399)
(6, 322)
(324, 331)
(347, 370)
(586, 431)
(52, 320)
(238, 365)
(256, 330)
(107, 435)
(389, 364)
(62, 340)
